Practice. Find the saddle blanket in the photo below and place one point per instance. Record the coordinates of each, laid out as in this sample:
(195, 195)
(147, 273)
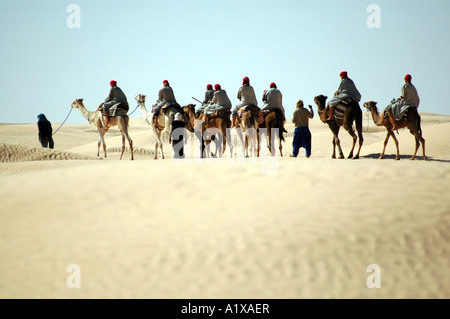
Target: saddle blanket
(169, 106)
(339, 111)
(118, 110)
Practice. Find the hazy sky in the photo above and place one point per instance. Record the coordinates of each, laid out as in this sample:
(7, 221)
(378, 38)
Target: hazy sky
(46, 61)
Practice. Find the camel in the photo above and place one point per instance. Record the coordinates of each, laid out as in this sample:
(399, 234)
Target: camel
(96, 118)
(352, 114)
(273, 124)
(164, 125)
(247, 123)
(217, 124)
(411, 120)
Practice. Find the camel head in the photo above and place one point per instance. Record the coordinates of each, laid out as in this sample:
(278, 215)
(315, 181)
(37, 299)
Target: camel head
(320, 101)
(77, 103)
(140, 98)
(370, 104)
(187, 111)
(189, 107)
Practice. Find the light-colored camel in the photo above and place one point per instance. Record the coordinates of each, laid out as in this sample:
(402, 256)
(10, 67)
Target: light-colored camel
(164, 125)
(411, 121)
(352, 114)
(216, 126)
(273, 126)
(98, 120)
(247, 123)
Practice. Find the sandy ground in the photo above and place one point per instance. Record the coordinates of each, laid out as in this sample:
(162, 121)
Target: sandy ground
(273, 227)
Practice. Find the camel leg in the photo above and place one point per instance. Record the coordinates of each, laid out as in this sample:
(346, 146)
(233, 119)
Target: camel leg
(353, 135)
(230, 145)
(270, 136)
(281, 149)
(361, 141)
(124, 129)
(251, 133)
(422, 140)
(338, 144)
(156, 150)
(417, 147)
(419, 140)
(102, 141)
(397, 157)
(333, 155)
(241, 138)
(162, 151)
(258, 145)
(123, 145)
(388, 134)
(207, 148)
(98, 146)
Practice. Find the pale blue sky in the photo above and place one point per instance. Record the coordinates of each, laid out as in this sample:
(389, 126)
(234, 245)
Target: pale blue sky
(300, 45)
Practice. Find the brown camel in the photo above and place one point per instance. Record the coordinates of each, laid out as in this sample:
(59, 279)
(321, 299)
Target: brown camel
(217, 124)
(351, 114)
(247, 123)
(411, 120)
(273, 127)
(96, 118)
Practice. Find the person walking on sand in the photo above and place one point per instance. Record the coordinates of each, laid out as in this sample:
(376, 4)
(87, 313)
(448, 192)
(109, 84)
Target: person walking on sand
(302, 134)
(45, 131)
(178, 136)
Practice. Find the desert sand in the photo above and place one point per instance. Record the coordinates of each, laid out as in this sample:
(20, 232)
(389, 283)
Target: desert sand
(273, 227)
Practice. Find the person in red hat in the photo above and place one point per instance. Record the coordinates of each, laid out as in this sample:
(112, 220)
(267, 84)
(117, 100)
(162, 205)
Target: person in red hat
(165, 95)
(116, 99)
(246, 96)
(346, 93)
(409, 98)
(273, 99)
(209, 94)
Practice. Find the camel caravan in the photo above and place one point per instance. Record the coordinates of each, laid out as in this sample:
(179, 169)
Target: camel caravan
(214, 119)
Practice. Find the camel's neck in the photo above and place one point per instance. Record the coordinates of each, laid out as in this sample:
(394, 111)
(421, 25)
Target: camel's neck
(322, 113)
(86, 114)
(376, 116)
(143, 109)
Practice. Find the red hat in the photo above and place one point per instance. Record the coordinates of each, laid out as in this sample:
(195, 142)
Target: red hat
(245, 80)
(273, 85)
(113, 83)
(165, 81)
(343, 74)
(408, 77)
(217, 87)
(209, 87)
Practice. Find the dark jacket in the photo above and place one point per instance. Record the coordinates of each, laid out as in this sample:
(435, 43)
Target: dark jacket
(45, 127)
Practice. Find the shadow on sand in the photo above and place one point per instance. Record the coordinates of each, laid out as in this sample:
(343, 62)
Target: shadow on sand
(404, 157)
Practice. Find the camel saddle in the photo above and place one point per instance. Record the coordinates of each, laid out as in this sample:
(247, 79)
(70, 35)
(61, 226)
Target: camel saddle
(119, 109)
(171, 105)
(263, 113)
(221, 113)
(252, 108)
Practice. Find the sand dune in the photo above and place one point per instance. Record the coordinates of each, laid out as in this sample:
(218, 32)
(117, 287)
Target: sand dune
(224, 228)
